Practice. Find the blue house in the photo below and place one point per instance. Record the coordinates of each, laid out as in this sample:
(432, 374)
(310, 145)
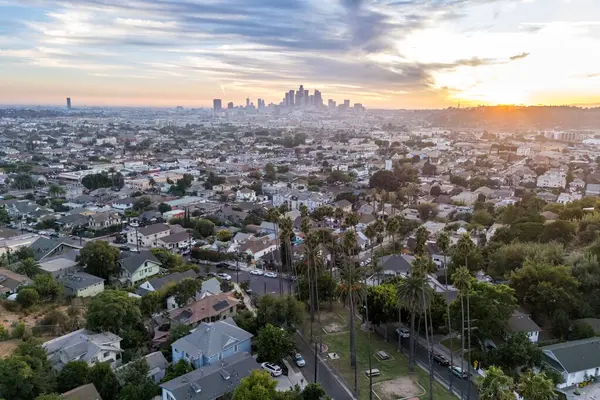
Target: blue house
(211, 343)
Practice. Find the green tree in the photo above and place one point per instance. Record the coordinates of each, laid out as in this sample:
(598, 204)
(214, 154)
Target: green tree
(179, 331)
(204, 227)
(137, 386)
(177, 369)
(29, 267)
(49, 396)
(559, 231)
(151, 303)
(482, 217)
(47, 286)
(495, 385)
(113, 311)
(427, 211)
(24, 253)
(507, 258)
(284, 311)
(163, 208)
(517, 351)
(313, 391)
(421, 237)
(99, 259)
(270, 172)
(27, 297)
(224, 235)
(56, 191)
(167, 259)
(74, 374)
(538, 386)
(105, 380)
(466, 254)
(274, 343)
(257, 386)
(185, 289)
(384, 180)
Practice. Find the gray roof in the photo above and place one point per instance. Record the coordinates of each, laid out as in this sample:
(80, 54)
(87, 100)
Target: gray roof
(211, 338)
(84, 392)
(156, 360)
(79, 280)
(578, 355)
(395, 262)
(212, 381)
(57, 264)
(176, 237)
(159, 283)
(212, 286)
(43, 246)
(132, 261)
(81, 345)
(521, 322)
(153, 229)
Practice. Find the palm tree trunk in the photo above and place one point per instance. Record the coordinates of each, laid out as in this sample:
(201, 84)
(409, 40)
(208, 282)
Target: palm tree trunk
(332, 261)
(353, 345)
(462, 337)
(430, 350)
(369, 347)
(449, 323)
(469, 342)
(411, 353)
(399, 326)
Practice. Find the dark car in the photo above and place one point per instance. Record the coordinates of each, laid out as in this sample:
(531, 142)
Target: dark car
(441, 360)
(222, 265)
(125, 248)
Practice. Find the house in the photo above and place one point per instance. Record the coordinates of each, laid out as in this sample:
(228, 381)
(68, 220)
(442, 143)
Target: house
(60, 265)
(547, 196)
(343, 204)
(81, 284)
(522, 322)
(592, 189)
(245, 194)
(180, 240)
(577, 361)
(84, 345)
(566, 198)
(227, 213)
(209, 287)
(10, 282)
(211, 342)
(135, 267)
(211, 382)
(123, 204)
(259, 247)
(84, 392)
(44, 247)
(209, 309)
(157, 366)
(268, 227)
(552, 179)
(155, 284)
(466, 197)
(148, 236)
(104, 220)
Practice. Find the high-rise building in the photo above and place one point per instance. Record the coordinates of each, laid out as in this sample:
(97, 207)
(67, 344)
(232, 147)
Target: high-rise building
(318, 100)
(311, 100)
(217, 105)
(68, 103)
(286, 100)
(291, 99)
(346, 103)
(247, 101)
(305, 97)
(230, 105)
(299, 96)
(331, 103)
(260, 103)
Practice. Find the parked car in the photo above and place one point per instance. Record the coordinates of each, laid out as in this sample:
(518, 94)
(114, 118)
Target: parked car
(403, 332)
(270, 274)
(234, 267)
(299, 360)
(273, 369)
(459, 372)
(124, 248)
(257, 272)
(222, 265)
(441, 360)
(227, 277)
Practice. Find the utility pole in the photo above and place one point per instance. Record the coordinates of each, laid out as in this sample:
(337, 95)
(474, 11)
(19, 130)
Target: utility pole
(137, 240)
(237, 267)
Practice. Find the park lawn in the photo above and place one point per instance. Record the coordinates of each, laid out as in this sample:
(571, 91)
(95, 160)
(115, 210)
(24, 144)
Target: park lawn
(390, 369)
(453, 344)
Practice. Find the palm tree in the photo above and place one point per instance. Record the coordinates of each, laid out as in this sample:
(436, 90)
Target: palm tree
(496, 385)
(443, 243)
(56, 191)
(462, 281)
(371, 233)
(412, 292)
(339, 215)
(392, 226)
(352, 220)
(303, 210)
(286, 231)
(351, 292)
(536, 387)
(392, 196)
(421, 236)
(29, 267)
(273, 216)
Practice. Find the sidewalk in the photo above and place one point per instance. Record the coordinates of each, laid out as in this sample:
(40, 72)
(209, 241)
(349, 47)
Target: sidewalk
(247, 301)
(443, 350)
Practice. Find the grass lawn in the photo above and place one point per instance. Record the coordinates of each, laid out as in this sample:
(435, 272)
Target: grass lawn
(390, 369)
(453, 344)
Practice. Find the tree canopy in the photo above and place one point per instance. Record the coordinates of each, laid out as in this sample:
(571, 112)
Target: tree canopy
(99, 259)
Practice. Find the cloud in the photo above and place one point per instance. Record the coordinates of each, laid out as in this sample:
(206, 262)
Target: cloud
(519, 56)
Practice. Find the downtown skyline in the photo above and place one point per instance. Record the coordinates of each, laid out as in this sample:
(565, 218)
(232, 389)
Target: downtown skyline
(383, 54)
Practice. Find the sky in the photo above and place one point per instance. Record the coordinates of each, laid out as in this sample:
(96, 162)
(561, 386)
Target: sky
(382, 53)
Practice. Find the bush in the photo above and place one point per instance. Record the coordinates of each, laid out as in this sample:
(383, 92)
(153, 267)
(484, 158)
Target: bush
(210, 255)
(3, 333)
(19, 331)
(27, 297)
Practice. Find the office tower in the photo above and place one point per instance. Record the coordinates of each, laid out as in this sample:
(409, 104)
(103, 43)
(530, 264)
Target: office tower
(318, 100)
(311, 100)
(286, 101)
(68, 103)
(305, 97)
(216, 105)
(346, 103)
(331, 104)
(247, 101)
(291, 100)
(298, 100)
(260, 103)
(230, 105)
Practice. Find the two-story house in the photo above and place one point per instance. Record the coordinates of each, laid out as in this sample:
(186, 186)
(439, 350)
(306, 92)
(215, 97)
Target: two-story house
(83, 345)
(245, 194)
(522, 322)
(135, 267)
(577, 361)
(179, 240)
(209, 309)
(104, 220)
(211, 343)
(148, 236)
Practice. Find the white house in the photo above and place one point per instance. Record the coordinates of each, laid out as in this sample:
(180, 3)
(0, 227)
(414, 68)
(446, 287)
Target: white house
(577, 361)
(245, 194)
(148, 236)
(258, 248)
(466, 197)
(566, 198)
(83, 345)
(522, 322)
(135, 267)
(552, 179)
(104, 220)
(81, 284)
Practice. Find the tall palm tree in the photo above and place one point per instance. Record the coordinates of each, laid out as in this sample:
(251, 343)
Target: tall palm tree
(29, 267)
(392, 226)
(392, 196)
(310, 247)
(411, 292)
(286, 231)
(380, 229)
(56, 191)
(339, 215)
(350, 291)
(273, 216)
(443, 243)
(536, 387)
(496, 385)
(371, 234)
(421, 236)
(462, 281)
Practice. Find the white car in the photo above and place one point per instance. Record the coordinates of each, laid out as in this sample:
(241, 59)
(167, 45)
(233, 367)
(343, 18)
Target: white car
(257, 272)
(403, 332)
(270, 274)
(273, 369)
(227, 277)
(299, 360)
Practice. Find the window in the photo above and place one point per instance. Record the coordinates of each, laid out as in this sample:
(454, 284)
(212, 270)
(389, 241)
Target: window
(236, 348)
(106, 354)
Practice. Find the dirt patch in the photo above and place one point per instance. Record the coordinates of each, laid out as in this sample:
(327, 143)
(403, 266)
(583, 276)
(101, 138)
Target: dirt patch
(8, 347)
(401, 388)
(331, 322)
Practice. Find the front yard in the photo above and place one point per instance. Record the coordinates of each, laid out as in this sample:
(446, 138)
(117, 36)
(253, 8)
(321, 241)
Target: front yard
(395, 381)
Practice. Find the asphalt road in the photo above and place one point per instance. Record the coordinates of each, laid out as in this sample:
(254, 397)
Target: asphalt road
(330, 383)
(259, 284)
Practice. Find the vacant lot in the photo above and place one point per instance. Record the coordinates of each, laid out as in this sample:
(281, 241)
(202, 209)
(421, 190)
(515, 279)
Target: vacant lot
(398, 388)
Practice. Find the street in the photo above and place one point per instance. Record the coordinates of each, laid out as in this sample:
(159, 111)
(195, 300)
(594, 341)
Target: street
(259, 284)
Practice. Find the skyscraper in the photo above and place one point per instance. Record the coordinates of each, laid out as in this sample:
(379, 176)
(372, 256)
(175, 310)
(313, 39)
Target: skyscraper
(247, 101)
(299, 96)
(230, 105)
(68, 103)
(305, 97)
(291, 99)
(331, 104)
(346, 104)
(318, 100)
(217, 105)
(286, 101)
